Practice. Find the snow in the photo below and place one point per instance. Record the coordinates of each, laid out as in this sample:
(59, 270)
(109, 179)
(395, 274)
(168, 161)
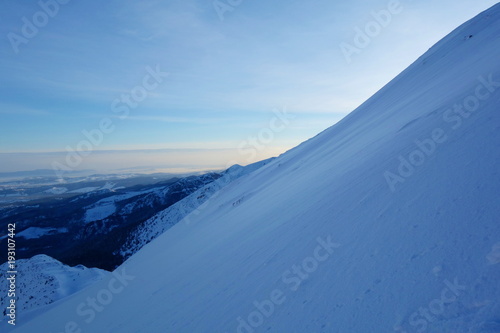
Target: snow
(36, 232)
(192, 204)
(99, 211)
(106, 207)
(57, 190)
(84, 190)
(319, 241)
(42, 280)
(108, 186)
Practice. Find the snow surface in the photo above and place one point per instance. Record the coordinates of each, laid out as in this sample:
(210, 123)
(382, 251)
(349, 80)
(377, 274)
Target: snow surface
(36, 232)
(42, 280)
(84, 190)
(99, 211)
(422, 256)
(57, 190)
(106, 207)
(193, 203)
(108, 186)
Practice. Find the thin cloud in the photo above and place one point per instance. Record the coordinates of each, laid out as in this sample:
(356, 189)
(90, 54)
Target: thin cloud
(22, 110)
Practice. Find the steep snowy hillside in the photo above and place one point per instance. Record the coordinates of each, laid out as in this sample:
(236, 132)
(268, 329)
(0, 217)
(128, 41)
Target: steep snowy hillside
(42, 280)
(194, 203)
(386, 222)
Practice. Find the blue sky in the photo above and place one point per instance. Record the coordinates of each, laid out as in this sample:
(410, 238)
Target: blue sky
(225, 76)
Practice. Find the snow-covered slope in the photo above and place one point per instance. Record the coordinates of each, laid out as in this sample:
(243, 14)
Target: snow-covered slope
(42, 280)
(194, 203)
(342, 234)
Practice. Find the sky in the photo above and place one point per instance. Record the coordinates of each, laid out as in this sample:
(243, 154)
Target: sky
(196, 84)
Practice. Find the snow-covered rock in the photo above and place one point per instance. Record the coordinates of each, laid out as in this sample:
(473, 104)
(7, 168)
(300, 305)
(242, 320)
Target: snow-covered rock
(42, 280)
(35, 232)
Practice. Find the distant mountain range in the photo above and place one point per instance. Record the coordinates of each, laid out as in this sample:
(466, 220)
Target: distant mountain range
(88, 220)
